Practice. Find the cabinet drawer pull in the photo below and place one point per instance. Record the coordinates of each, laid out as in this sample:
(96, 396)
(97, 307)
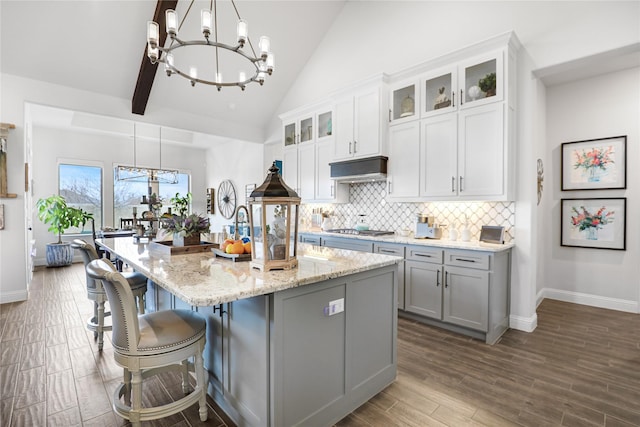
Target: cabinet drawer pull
(465, 260)
(387, 251)
(424, 255)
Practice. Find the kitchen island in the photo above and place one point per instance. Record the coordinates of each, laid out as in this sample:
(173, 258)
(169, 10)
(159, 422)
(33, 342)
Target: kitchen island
(300, 347)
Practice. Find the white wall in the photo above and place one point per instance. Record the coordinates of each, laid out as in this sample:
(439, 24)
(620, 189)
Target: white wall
(604, 106)
(52, 146)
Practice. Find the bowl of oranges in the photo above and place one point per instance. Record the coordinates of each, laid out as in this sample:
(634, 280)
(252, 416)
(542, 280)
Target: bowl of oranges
(237, 250)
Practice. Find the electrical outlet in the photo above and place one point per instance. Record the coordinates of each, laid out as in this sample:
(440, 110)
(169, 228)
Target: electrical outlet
(336, 306)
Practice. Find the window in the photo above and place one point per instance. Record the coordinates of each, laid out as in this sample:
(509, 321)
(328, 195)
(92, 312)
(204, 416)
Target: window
(81, 186)
(128, 194)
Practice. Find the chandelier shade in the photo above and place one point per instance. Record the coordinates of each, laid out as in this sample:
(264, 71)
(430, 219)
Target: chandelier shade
(259, 65)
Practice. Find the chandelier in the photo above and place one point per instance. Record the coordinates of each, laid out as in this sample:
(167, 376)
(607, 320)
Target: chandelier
(143, 174)
(260, 65)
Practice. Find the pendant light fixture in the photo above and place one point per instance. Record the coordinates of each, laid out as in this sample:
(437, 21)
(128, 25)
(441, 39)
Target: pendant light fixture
(144, 174)
(259, 64)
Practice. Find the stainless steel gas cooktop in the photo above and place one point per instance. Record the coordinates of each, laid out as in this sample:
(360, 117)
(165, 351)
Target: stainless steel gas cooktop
(359, 232)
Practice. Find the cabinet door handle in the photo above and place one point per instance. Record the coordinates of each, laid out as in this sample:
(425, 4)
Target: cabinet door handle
(461, 97)
(438, 278)
(332, 190)
(355, 150)
(424, 255)
(389, 115)
(453, 184)
(446, 279)
(453, 98)
(390, 187)
(465, 260)
(349, 147)
(461, 188)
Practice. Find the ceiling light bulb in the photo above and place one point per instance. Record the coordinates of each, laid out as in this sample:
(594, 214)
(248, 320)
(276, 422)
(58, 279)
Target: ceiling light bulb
(168, 63)
(152, 33)
(271, 60)
(193, 73)
(172, 22)
(152, 53)
(243, 32)
(218, 77)
(265, 46)
(205, 21)
(242, 76)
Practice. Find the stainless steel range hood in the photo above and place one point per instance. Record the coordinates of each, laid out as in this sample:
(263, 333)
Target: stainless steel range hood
(360, 170)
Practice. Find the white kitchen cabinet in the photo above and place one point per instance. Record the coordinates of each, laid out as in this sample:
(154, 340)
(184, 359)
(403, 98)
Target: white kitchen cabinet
(359, 127)
(306, 162)
(297, 130)
(457, 86)
(404, 101)
(327, 190)
(463, 155)
(404, 162)
(290, 167)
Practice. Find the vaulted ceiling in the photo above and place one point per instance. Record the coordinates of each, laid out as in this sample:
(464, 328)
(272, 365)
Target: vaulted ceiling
(98, 46)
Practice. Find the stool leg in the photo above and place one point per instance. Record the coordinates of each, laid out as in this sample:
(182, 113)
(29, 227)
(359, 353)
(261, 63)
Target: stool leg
(136, 391)
(185, 376)
(100, 325)
(95, 319)
(127, 387)
(141, 302)
(200, 378)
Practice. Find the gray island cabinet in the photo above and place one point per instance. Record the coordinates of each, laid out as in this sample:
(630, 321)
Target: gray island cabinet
(284, 348)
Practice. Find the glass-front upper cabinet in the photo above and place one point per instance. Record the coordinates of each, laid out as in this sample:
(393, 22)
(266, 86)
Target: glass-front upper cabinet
(298, 131)
(289, 134)
(324, 124)
(481, 80)
(306, 130)
(404, 102)
(470, 83)
(439, 89)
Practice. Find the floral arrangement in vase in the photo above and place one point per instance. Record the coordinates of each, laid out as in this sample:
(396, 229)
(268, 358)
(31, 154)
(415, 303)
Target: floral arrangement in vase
(591, 222)
(594, 161)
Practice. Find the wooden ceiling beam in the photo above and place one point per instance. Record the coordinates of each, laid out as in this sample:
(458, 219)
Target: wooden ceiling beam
(148, 70)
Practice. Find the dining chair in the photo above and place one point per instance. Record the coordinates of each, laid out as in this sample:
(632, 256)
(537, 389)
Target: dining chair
(95, 292)
(149, 344)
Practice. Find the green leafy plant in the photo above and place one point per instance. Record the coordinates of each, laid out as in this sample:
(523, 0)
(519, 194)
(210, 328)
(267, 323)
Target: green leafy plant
(54, 211)
(181, 204)
(187, 226)
(487, 84)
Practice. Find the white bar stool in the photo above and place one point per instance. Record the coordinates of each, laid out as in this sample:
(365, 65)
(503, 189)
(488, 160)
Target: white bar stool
(149, 344)
(95, 291)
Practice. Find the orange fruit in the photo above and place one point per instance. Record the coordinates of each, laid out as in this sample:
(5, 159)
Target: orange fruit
(236, 248)
(227, 242)
(247, 248)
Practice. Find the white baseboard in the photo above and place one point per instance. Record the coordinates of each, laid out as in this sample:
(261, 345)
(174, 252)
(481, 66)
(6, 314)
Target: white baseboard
(525, 324)
(8, 297)
(628, 306)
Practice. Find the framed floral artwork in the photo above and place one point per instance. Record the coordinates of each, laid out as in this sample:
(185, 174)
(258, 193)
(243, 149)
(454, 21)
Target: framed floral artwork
(594, 223)
(595, 164)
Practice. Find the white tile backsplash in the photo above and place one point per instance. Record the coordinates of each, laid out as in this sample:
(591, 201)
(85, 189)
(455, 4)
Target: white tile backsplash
(369, 199)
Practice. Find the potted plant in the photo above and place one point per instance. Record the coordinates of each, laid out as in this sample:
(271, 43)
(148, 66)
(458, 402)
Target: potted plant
(487, 84)
(54, 211)
(186, 230)
(181, 204)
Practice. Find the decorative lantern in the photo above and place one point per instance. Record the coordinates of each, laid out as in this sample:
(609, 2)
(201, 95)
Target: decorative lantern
(273, 214)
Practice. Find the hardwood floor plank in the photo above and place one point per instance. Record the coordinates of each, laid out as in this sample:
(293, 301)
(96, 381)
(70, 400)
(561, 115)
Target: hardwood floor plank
(93, 399)
(69, 417)
(8, 375)
(57, 358)
(61, 392)
(31, 386)
(32, 416)
(10, 352)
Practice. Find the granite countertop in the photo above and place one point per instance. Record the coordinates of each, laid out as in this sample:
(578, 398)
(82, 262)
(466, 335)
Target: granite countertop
(202, 279)
(473, 245)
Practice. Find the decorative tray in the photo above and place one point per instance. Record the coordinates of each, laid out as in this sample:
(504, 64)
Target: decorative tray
(233, 257)
(166, 247)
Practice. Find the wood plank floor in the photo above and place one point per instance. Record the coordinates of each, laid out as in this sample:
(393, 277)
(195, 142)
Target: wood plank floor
(580, 367)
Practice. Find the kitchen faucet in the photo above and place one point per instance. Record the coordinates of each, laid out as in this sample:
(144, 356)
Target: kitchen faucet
(236, 233)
